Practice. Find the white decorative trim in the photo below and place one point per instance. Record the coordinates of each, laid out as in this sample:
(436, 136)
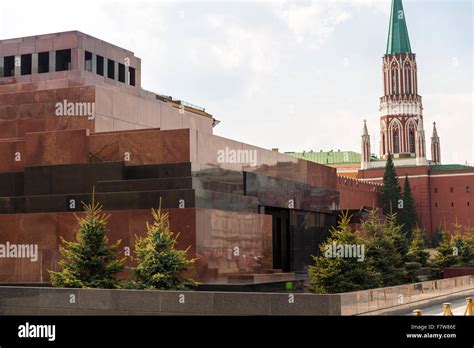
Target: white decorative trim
(395, 108)
(398, 162)
(421, 161)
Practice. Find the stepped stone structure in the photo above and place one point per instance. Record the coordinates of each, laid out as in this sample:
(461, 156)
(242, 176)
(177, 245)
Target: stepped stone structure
(74, 117)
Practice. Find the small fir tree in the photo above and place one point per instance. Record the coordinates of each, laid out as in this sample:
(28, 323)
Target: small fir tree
(159, 264)
(90, 262)
(336, 274)
(384, 252)
(395, 231)
(463, 244)
(407, 215)
(390, 190)
(408, 268)
(445, 255)
(417, 253)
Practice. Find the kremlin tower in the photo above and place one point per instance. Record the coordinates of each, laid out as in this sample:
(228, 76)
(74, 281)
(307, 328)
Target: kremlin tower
(443, 193)
(402, 132)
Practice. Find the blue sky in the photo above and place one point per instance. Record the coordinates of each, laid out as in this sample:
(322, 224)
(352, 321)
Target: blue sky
(296, 75)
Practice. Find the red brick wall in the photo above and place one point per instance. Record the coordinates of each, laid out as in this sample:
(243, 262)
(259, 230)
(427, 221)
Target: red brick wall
(449, 207)
(355, 194)
(419, 183)
(436, 205)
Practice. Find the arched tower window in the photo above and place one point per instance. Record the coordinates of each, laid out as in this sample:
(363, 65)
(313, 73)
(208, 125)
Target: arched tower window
(394, 81)
(407, 77)
(395, 133)
(394, 72)
(383, 144)
(409, 80)
(410, 131)
(411, 139)
(396, 139)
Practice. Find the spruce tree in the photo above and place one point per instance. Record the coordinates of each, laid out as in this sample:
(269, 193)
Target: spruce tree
(445, 255)
(89, 262)
(159, 264)
(336, 274)
(417, 253)
(394, 230)
(385, 248)
(390, 190)
(407, 215)
(464, 246)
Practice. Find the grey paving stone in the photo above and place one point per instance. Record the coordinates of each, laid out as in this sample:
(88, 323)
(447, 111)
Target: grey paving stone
(19, 297)
(94, 299)
(135, 300)
(241, 303)
(300, 304)
(58, 298)
(194, 302)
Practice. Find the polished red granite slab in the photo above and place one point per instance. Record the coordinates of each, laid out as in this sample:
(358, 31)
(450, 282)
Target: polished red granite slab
(59, 147)
(12, 155)
(142, 147)
(212, 236)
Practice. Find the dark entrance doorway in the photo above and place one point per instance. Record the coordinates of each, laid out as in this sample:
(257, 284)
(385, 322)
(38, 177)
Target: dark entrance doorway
(281, 237)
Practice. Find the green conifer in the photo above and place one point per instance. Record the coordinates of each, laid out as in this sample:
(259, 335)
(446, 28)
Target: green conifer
(390, 190)
(407, 215)
(89, 262)
(336, 274)
(417, 253)
(159, 264)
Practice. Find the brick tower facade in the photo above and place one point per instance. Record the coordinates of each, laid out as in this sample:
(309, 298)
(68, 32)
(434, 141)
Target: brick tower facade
(443, 194)
(401, 108)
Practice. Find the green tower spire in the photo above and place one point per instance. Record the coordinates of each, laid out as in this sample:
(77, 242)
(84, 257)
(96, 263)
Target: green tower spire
(398, 40)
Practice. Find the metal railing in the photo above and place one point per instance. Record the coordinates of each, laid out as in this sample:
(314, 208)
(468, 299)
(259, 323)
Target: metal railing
(364, 301)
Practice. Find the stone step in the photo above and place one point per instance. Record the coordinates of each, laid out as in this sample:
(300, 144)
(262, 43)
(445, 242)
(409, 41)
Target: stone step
(132, 200)
(154, 171)
(70, 178)
(145, 185)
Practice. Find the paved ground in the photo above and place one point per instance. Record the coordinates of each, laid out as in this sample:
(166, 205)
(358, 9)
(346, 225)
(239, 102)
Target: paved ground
(458, 306)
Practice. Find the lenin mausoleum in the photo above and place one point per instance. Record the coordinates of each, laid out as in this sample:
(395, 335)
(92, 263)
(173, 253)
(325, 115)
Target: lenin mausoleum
(240, 208)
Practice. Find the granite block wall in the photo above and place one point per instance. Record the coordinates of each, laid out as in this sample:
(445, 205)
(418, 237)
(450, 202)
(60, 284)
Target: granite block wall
(210, 234)
(49, 301)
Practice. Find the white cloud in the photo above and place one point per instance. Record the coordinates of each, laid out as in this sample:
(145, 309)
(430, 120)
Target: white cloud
(313, 23)
(252, 53)
(453, 114)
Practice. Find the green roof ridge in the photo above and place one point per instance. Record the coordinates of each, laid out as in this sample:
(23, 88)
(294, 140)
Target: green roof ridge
(398, 40)
(328, 157)
(450, 167)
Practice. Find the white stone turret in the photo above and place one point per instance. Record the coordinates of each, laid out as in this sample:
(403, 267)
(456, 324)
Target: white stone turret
(365, 153)
(435, 146)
